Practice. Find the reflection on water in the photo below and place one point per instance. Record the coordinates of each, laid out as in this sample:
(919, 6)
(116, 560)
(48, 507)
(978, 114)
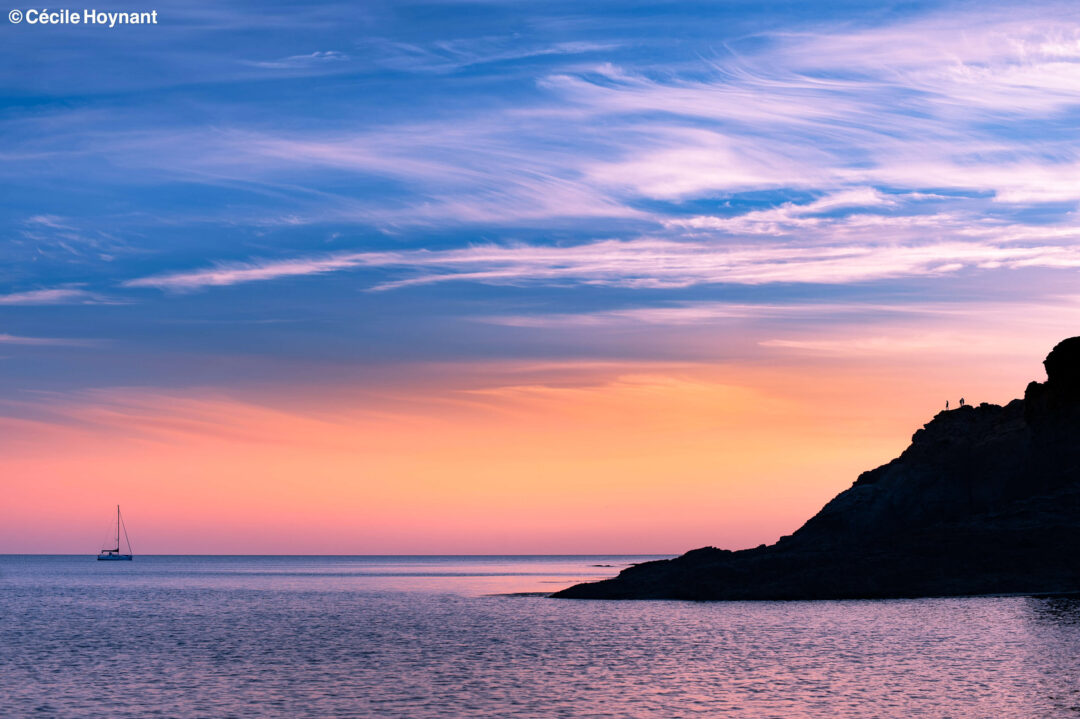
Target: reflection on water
(421, 637)
(463, 575)
(1053, 644)
(1055, 610)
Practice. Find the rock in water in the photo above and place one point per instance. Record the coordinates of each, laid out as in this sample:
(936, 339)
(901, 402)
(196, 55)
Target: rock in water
(986, 500)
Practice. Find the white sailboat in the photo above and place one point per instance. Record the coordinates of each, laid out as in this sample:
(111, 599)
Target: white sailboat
(114, 555)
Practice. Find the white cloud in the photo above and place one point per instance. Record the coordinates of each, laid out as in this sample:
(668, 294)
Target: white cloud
(644, 263)
(790, 216)
(293, 62)
(232, 274)
(445, 56)
(916, 105)
(52, 221)
(55, 296)
(41, 341)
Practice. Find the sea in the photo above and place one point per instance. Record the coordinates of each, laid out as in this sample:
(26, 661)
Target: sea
(194, 636)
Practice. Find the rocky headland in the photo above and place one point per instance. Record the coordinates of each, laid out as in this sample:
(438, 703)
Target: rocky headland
(986, 500)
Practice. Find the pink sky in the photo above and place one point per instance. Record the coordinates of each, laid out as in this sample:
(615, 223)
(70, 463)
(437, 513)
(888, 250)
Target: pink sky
(502, 458)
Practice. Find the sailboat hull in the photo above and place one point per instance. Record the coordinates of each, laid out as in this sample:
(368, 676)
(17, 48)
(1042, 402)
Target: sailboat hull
(114, 558)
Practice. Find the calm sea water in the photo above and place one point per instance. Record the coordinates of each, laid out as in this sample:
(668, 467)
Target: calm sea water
(424, 637)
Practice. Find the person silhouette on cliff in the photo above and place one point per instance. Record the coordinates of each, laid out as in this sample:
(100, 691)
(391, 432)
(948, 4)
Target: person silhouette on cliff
(946, 405)
(961, 401)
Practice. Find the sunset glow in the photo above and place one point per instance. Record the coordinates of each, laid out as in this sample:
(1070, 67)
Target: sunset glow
(427, 282)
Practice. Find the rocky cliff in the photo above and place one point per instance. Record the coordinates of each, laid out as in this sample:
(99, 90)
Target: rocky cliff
(986, 500)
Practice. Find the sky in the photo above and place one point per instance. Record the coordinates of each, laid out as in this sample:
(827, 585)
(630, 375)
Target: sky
(502, 277)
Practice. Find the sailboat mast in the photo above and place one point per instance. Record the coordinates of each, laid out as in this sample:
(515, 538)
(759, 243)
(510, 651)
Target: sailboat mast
(118, 528)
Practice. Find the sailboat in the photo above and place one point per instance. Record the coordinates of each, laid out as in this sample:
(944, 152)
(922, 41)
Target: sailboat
(114, 555)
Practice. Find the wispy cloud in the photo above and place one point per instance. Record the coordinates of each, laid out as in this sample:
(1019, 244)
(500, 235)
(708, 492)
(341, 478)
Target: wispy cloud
(832, 147)
(889, 346)
(51, 221)
(43, 341)
(56, 296)
(52, 236)
(950, 100)
(473, 171)
(792, 216)
(444, 56)
(699, 313)
(908, 105)
(232, 274)
(295, 62)
(644, 263)
(819, 318)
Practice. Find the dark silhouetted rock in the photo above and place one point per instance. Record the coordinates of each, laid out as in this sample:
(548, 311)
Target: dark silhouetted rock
(986, 500)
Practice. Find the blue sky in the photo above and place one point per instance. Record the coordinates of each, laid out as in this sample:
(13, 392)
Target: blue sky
(515, 277)
(245, 189)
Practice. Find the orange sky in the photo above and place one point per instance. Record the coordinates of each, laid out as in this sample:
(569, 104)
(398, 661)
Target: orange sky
(511, 457)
